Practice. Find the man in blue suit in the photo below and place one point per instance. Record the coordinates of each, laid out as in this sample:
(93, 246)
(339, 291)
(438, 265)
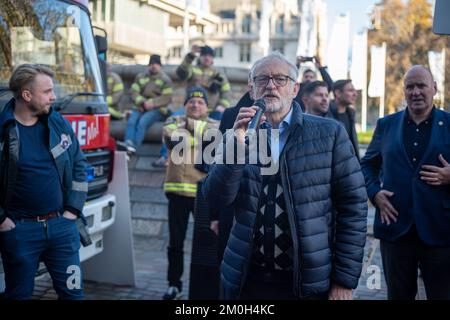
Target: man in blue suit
(408, 180)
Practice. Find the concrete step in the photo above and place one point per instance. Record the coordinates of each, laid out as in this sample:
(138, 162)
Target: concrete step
(148, 194)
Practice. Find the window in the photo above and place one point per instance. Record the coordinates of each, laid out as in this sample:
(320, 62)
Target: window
(219, 52)
(279, 27)
(247, 24)
(175, 52)
(278, 46)
(103, 10)
(244, 52)
(95, 9)
(111, 10)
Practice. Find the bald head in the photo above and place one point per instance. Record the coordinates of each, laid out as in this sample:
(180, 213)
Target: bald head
(419, 89)
(418, 69)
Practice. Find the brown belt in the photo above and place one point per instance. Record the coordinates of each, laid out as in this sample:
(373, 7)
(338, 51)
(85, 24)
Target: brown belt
(43, 217)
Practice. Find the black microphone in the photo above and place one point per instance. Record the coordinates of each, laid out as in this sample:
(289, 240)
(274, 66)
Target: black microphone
(254, 123)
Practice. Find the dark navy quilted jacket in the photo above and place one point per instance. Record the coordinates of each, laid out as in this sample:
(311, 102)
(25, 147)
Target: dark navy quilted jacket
(327, 207)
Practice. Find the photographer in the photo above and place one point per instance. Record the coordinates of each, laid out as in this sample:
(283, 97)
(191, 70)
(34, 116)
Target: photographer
(203, 74)
(310, 76)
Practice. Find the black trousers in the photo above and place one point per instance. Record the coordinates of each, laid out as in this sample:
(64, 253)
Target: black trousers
(401, 260)
(276, 285)
(179, 209)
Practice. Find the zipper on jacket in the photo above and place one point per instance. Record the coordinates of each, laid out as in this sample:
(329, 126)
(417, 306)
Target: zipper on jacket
(293, 227)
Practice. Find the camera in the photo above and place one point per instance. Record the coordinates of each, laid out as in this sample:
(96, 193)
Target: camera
(308, 59)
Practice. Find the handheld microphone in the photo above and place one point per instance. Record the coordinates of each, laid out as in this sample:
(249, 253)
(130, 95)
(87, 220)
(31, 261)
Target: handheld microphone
(254, 123)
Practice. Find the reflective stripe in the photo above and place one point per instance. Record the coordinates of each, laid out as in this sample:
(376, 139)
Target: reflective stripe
(59, 149)
(144, 81)
(159, 82)
(179, 186)
(167, 91)
(117, 87)
(171, 126)
(135, 87)
(197, 71)
(200, 126)
(225, 87)
(80, 186)
(138, 99)
(109, 100)
(224, 102)
(114, 112)
(110, 79)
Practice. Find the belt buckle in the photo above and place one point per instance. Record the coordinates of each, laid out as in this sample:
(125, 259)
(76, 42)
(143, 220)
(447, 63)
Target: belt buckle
(39, 219)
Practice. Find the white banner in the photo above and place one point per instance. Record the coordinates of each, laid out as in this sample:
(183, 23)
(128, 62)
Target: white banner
(264, 31)
(436, 60)
(338, 45)
(307, 43)
(378, 71)
(359, 61)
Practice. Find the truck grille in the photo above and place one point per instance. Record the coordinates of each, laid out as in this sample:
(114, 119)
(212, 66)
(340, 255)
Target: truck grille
(99, 165)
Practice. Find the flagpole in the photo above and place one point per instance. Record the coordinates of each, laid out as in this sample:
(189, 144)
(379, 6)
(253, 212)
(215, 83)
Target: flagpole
(443, 78)
(364, 88)
(381, 114)
(186, 28)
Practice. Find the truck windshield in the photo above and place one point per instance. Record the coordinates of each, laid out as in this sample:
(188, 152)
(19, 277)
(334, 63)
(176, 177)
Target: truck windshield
(53, 33)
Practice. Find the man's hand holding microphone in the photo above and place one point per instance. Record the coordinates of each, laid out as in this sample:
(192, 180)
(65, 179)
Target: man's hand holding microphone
(248, 120)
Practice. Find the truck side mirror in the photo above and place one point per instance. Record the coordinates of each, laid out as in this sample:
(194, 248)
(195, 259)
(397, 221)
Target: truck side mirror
(441, 22)
(102, 44)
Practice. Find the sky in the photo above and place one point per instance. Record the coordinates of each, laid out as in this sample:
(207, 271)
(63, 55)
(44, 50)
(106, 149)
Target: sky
(358, 10)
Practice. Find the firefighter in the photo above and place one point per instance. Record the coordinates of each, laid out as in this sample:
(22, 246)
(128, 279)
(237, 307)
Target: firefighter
(203, 74)
(151, 94)
(115, 93)
(181, 180)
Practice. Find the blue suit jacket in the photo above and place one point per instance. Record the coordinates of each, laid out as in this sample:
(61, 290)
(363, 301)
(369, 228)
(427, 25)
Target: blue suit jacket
(387, 166)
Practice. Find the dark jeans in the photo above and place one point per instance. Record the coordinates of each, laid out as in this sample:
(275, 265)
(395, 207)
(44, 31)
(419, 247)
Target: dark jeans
(56, 242)
(139, 123)
(402, 258)
(179, 209)
(277, 285)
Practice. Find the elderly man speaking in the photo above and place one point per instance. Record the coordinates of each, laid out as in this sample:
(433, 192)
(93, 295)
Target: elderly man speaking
(299, 233)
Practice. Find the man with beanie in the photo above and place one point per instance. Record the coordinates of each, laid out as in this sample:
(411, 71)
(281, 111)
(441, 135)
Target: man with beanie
(151, 93)
(181, 180)
(203, 74)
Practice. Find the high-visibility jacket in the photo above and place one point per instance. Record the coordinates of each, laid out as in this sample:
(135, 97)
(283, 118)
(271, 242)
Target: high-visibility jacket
(181, 175)
(157, 88)
(114, 94)
(215, 82)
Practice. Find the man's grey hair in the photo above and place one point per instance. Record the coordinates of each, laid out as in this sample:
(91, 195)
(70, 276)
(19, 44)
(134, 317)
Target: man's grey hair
(293, 70)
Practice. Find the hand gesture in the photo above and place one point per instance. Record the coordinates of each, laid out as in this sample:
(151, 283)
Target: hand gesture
(436, 176)
(387, 210)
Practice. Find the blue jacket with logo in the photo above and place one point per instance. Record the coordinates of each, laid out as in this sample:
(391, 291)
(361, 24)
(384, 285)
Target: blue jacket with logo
(64, 147)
